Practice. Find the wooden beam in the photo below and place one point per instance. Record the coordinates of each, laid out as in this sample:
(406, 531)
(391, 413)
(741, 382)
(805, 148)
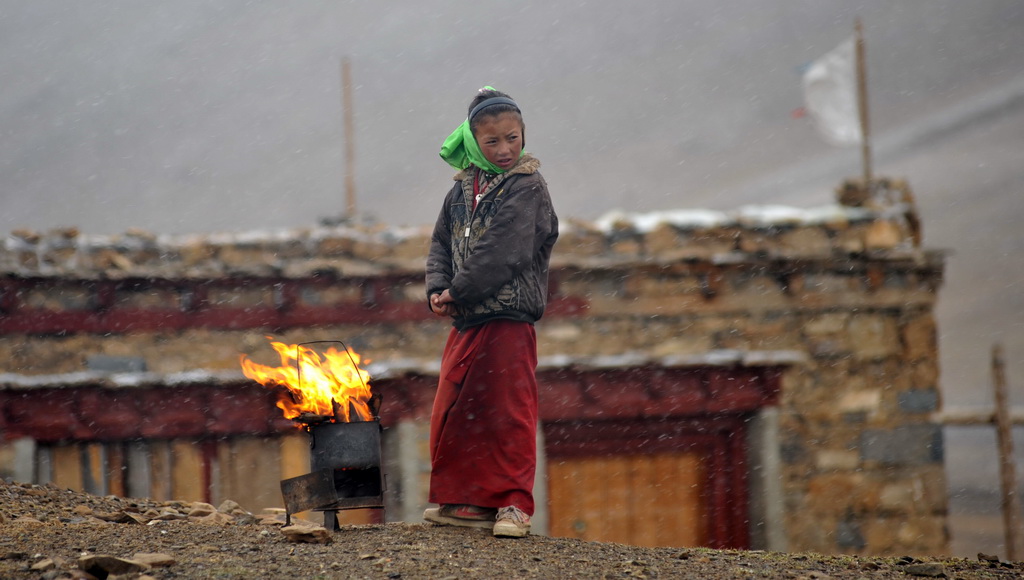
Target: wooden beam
(973, 417)
(195, 311)
(116, 469)
(160, 484)
(350, 146)
(186, 471)
(1007, 467)
(94, 468)
(67, 466)
(862, 103)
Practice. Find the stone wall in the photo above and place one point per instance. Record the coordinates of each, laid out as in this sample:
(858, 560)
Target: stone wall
(844, 295)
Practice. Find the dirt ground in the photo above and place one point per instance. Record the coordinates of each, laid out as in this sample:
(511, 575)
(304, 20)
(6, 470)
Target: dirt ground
(49, 533)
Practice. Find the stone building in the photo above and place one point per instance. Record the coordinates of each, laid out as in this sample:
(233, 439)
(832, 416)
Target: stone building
(766, 378)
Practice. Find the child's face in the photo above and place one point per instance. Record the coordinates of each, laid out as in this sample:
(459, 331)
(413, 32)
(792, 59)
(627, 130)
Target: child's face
(500, 138)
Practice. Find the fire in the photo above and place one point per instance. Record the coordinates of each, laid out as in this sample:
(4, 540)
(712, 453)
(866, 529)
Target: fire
(331, 386)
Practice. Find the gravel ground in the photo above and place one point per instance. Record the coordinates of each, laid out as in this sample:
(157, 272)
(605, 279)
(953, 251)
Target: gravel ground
(48, 532)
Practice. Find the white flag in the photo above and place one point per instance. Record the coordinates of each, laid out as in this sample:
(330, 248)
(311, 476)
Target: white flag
(830, 95)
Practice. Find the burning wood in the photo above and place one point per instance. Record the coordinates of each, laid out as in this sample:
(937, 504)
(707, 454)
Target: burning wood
(373, 404)
(312, 418)
(317, 387)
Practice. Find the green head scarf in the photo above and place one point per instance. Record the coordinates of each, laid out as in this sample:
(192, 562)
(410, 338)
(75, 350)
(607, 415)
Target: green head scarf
(460, 149)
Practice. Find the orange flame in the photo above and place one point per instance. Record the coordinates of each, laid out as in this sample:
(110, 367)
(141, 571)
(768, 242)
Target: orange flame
(328, 385)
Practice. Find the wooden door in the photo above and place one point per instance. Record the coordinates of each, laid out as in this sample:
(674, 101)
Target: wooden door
(638, 499)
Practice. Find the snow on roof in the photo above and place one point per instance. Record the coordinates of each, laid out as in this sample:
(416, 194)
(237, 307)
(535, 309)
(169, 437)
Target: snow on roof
(748, 215)
(117, 380)
(399, 367)
(646, 222)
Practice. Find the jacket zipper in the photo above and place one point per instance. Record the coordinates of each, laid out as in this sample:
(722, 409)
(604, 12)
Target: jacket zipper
(472, 214)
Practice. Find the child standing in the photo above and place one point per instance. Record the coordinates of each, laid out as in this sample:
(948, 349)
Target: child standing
(488, 270)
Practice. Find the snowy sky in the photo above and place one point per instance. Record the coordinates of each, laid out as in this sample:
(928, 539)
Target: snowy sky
(194, 116)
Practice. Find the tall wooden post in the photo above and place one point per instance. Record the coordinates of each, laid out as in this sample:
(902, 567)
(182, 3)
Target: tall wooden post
(350, 146)
(1007, 467)
(862, 104)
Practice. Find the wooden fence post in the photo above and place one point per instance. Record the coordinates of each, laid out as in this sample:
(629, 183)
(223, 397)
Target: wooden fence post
(1007, 467)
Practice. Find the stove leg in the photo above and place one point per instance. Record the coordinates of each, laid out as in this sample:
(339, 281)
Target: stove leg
(331, 520)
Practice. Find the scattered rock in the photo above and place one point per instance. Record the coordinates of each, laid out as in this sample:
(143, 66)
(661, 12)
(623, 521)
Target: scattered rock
(91, 521)
(14, 556)
(43, 565)
(117, 517)
(165, 514)
(26, 235)
(214, 518)
(27, 520)
(926, 569)
(154, 560)
(200, 509)
(140, 233)
(246, 519)
(306, 534)
(270, 520)
(68, 233)
(102, 566)
(991, 559)
(82, 510)
(231, 507)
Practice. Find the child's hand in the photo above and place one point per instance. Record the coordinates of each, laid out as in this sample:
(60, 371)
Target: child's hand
(442, 304)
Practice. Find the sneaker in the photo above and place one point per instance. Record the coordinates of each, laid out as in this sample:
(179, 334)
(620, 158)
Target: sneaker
(512, 522)
(467, 516)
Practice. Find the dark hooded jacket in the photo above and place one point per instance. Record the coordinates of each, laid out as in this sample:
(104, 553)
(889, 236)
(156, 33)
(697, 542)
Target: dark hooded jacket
(493, 260)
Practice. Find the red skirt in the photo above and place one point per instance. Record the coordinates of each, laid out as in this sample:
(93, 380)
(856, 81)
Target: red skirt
(483, 427)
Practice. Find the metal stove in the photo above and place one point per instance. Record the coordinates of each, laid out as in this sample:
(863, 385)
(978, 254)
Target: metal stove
(346, 471)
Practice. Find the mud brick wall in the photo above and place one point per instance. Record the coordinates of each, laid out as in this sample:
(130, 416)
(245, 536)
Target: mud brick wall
(862, 460)
(847, 292)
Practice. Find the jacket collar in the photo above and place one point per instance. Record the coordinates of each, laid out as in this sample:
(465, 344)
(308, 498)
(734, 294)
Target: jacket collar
(526, 165)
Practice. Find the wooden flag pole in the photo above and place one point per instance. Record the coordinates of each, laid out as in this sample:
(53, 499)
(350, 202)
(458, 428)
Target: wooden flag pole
(862, 104)
(1007, 467)
(350, 147)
